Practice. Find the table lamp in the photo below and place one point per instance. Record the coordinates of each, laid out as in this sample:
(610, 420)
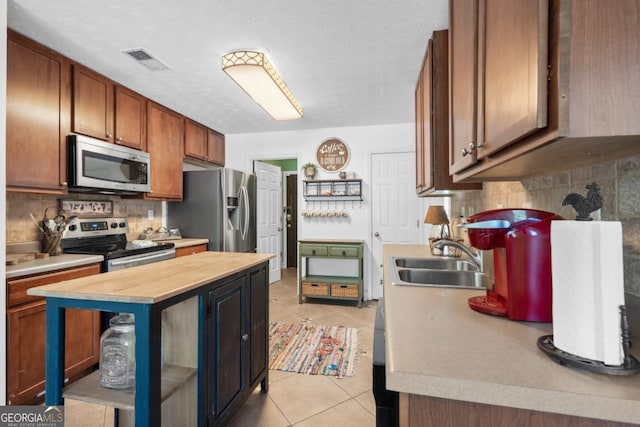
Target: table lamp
(437, 217)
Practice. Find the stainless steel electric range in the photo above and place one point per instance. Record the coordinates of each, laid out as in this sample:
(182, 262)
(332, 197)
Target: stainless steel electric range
(108, 237)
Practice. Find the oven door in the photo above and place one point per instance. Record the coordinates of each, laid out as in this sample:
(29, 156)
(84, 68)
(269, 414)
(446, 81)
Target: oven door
(140, 259)
(99, 167)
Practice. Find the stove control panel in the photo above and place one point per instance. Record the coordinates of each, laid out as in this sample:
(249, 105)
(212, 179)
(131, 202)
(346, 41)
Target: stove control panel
(88, 227)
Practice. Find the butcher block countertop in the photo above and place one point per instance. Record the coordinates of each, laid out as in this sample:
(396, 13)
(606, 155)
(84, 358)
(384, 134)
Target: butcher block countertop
(437, 346)
(152, 283)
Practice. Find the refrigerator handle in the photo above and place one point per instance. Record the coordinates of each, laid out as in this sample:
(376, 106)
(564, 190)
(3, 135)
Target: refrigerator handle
(245, 198)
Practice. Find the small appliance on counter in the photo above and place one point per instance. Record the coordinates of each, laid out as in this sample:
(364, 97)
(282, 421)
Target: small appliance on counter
(520, 242)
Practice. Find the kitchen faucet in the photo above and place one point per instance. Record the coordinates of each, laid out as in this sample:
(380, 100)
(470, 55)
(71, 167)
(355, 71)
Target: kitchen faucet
(475, 257)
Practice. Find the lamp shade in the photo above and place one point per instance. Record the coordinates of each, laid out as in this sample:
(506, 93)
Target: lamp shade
(436, 215)
(253, 72)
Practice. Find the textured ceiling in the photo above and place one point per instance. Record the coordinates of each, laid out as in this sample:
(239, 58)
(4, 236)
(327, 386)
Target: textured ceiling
(348, 62)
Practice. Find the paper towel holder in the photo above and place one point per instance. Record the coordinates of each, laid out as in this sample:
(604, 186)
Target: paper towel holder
(630, 365)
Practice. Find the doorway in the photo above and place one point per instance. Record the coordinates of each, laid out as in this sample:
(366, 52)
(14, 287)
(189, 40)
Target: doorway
(289, 213)
(395, 208)
(291, 219)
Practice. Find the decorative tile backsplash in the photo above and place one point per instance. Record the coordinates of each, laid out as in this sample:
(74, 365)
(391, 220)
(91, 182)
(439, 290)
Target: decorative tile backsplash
(20, 227)
(619, 183)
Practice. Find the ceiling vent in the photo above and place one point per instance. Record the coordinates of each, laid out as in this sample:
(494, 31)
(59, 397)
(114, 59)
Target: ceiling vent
(145, 58)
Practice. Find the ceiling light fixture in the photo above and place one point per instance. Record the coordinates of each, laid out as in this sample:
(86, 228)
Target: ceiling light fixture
(253, 72)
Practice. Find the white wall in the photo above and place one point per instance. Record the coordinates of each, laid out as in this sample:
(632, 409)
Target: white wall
(242, 149)
(3, 206)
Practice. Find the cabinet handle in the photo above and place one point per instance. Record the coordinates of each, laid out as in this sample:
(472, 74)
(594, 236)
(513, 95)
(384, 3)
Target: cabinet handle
(344, 253)
(472, 147)
(313, 251)
(245, 337)
(64, 183)
(119, 139)
(109, 136)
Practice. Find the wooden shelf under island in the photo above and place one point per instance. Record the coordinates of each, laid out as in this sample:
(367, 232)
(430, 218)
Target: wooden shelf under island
(88, 389)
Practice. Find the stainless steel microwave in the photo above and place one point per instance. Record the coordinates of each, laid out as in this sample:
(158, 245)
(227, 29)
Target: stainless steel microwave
(96, 166)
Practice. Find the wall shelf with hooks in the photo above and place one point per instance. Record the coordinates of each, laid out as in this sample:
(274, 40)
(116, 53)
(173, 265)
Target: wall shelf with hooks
(333, 189)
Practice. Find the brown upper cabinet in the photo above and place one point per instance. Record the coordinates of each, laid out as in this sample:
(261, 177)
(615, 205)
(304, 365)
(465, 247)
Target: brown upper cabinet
(215, 147)
(202, 143)
(107, 111)
(432, 122)
(541, 86)
(38, 80)
(165, 144)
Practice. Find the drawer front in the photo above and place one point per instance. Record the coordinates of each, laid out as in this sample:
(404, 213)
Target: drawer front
(313, 250)
(338, 290)
(315, 288)
(17, 288)
(190, 250)
(346, 251)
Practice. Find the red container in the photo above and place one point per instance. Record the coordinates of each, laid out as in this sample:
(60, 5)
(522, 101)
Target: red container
(522, 263)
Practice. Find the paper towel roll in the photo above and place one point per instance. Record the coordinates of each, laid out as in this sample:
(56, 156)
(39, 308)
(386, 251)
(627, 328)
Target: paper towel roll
(588, 288)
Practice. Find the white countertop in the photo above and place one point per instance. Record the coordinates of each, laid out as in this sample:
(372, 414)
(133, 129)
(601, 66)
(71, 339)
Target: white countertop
(63, 261)
(51, 263)
(437, 346)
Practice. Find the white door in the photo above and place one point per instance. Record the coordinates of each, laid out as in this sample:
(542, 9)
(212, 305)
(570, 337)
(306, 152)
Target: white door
(269, 215)
(395, 207)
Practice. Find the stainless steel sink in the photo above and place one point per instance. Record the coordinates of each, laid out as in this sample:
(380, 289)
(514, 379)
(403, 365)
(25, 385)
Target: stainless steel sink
(436, 272)
(436, 263)
(441, 278)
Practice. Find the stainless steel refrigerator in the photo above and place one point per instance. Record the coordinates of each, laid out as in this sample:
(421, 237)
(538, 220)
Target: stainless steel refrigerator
(218, 204)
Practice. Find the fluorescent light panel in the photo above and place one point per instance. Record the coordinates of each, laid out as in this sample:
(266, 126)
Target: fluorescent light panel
(253, 72)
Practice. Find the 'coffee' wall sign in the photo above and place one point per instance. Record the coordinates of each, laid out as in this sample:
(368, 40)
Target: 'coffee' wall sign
(333, 155)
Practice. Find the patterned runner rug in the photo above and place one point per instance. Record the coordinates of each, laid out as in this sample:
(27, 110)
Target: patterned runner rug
(312, 349)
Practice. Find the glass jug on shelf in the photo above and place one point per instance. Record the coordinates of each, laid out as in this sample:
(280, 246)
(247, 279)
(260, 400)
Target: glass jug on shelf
(117, 353)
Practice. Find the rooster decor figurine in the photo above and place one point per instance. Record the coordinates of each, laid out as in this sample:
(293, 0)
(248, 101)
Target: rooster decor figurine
(585, 205)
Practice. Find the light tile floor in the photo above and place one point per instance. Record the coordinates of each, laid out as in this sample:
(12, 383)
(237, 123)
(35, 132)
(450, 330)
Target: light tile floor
(293, 399)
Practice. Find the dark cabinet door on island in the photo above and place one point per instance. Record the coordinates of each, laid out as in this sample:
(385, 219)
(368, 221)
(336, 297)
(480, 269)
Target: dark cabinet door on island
(238, 336)
(226, 356)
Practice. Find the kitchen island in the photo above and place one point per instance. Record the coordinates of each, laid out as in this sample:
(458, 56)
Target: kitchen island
(450, 363)
(231, 290)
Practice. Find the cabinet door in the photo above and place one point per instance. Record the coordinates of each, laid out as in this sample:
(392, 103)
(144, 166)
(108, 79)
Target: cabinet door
(427, 119)
(130, 118)
(26, 338)
(215, 147)
(513, 71)
(195, 140)
(165, 138)
(463, 54)
(258, 311)
(37, 81)
(92, 104)
(419, 136)
(226, 352)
